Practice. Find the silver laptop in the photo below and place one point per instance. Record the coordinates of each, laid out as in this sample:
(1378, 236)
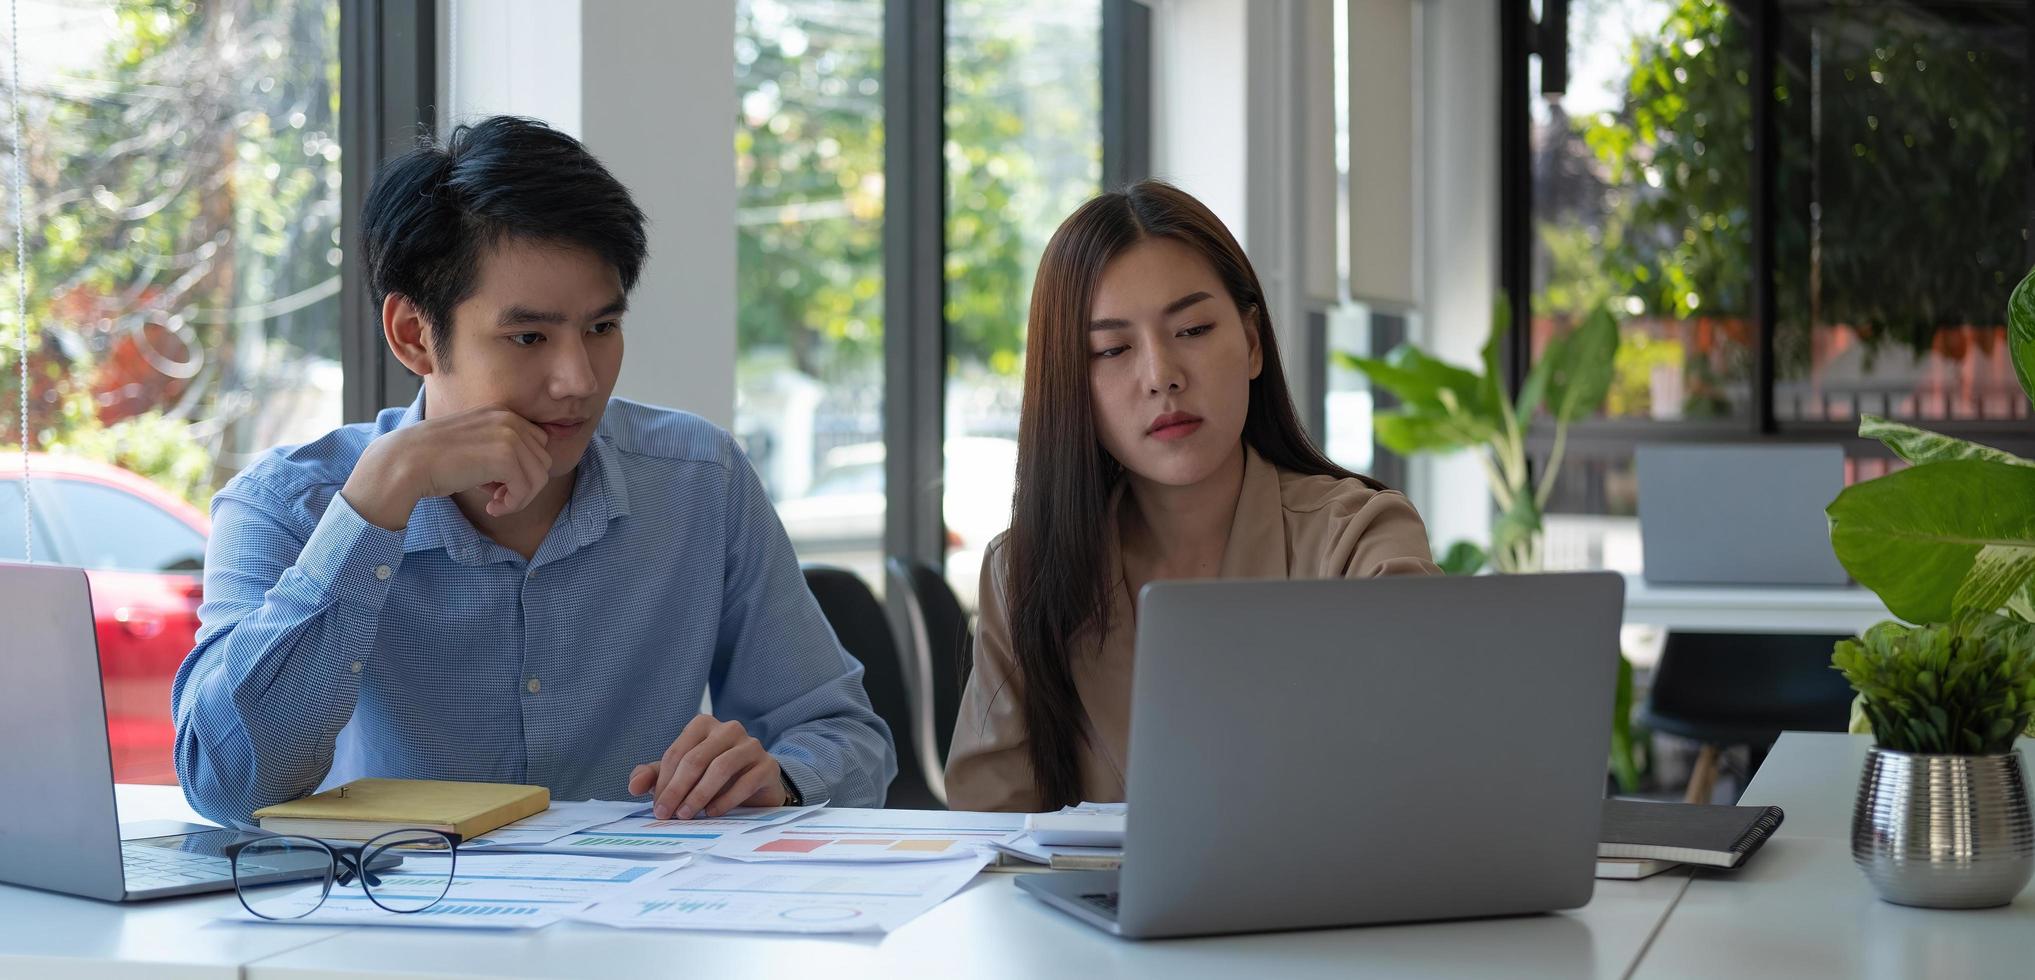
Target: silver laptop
(1308, 754)
(1739, 515)
(62, 831)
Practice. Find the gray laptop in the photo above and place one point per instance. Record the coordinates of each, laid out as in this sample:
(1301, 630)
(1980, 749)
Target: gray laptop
(62, 831)
(1739, 515)
(1308, 754)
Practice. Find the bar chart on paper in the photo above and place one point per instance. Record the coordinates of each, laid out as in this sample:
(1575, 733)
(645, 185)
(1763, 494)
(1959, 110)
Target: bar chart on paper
(642, 835)
(726, 895)
(874, 835)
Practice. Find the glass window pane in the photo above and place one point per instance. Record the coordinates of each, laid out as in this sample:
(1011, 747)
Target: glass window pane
(1024, 149)
(1642, 176)
(108, 528)
(809, 269)
(1903, 202)
(183, 172)
(11, 524)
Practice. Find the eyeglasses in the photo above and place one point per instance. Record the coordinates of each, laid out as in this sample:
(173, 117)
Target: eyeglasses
(401, 871)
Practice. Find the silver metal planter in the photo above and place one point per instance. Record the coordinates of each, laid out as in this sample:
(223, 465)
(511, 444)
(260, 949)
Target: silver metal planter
(1943, 831)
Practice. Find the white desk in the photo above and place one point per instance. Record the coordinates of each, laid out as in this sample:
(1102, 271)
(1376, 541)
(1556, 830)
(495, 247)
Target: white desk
(46, 935)
(990, 930)
(1801, 909)
(1752, 609)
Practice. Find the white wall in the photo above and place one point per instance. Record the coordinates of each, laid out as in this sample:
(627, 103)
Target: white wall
(650, 88)
(1199, 91)
(1458, 271)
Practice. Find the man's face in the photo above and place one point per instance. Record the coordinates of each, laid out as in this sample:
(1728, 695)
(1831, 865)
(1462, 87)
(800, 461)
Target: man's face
(542, 337)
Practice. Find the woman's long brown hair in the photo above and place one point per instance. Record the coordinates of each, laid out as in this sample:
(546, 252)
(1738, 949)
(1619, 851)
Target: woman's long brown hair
(1056, 549)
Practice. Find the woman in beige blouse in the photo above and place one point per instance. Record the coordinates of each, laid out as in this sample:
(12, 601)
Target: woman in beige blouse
(1157, 441)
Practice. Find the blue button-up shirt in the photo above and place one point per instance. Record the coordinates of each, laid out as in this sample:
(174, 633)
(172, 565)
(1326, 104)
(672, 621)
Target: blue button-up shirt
(330, 649)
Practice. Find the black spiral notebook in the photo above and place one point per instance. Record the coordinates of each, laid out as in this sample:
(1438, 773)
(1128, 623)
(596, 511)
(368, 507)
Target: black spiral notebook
(1712, 836)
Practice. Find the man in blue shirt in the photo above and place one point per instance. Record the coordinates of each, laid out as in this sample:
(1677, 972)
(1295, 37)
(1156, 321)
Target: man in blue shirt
(516, 579)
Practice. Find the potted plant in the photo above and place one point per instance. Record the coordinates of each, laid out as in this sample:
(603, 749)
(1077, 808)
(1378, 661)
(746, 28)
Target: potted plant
(1445, 408)
(1942, 818)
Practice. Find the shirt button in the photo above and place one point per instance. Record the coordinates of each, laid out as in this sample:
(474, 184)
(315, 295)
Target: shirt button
(356, 666)
(533, 685)
(382, 572)
(533, 573)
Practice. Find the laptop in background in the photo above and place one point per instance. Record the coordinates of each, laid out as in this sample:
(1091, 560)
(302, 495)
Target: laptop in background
(1335, 753)
(62, 830)
(1739, 515)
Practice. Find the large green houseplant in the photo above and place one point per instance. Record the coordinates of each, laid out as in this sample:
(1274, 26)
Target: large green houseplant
(1948, 543)
(1445, 408)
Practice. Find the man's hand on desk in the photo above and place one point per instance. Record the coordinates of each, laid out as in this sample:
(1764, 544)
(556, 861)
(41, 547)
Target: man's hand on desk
(713, 767)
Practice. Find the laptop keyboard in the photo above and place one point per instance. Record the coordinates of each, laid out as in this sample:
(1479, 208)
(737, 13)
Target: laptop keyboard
(1106, 901)
(156, 867)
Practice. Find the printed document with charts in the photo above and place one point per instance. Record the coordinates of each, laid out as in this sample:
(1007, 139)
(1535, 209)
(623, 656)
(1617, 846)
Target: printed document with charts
(804, 896)
(875, 835)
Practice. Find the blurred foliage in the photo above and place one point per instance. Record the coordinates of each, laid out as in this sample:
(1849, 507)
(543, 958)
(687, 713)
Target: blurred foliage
(182, 230)
(1902, 198)
(1022, 150)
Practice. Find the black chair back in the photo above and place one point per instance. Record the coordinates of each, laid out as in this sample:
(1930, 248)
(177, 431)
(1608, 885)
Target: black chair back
(1747, 688)
(949, 646)
(862, 628)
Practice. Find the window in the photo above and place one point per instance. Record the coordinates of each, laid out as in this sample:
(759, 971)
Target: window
(108, 528)
(11, 525)
(1891, 140)
(183, 173)
(809, 269)
(1023, 150)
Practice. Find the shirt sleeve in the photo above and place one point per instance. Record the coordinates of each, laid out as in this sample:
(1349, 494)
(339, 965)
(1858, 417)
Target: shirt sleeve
(989, 766)
(285, 636)
(1376, 533)
(781, 672)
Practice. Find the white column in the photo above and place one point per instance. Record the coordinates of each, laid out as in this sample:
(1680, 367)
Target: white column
(1458, 275)
(650, 89)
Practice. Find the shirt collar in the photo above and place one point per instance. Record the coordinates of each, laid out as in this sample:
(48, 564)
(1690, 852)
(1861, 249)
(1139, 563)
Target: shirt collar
(600, 493)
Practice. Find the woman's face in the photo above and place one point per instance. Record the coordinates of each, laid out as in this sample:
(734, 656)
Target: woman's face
(1171, 360)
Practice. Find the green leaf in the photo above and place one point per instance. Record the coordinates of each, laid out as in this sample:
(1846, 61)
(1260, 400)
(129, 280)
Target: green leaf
(1917, 445)
(1534, 388)
(1421, 382)
(1913, 536)
(1582, 367)
(1998, 573)
(2021, 333)
(1463, 558)
(1501, 323)
(1406, 433)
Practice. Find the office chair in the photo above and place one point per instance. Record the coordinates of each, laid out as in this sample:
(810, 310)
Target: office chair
(940, 648)
(1728, 689)
(859, 622)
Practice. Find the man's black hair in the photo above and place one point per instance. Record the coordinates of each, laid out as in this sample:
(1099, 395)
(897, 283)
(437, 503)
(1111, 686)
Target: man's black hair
(434, 211)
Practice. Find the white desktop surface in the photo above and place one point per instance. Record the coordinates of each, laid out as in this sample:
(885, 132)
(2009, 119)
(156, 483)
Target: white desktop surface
(1800, 908)
(46, 935)
(989, 930)
(992, 930)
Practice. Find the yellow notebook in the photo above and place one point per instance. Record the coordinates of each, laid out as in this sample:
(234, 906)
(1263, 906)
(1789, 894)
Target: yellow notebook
(367, 808)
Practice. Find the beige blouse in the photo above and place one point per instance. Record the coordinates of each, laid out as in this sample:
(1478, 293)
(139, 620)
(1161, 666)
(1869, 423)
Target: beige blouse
(1287, 526)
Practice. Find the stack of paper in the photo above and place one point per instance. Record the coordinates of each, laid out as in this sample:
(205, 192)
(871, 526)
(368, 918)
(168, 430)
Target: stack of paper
(803, 870)
(495, 891)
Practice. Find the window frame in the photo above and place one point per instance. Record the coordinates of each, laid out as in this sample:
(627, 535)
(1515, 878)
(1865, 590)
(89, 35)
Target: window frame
(1520, 37)
(388, 82)
(914, 242)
